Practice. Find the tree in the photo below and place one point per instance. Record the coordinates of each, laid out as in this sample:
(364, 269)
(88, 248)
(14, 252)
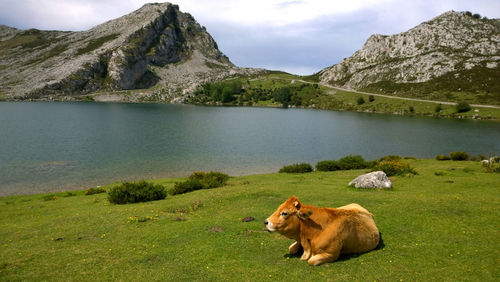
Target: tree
(283, 95)
(463, 107)
(361, 101)
(438, 108)
(227, 95)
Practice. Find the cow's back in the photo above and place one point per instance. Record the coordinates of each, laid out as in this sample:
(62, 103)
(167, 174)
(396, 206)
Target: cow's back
(364, 235)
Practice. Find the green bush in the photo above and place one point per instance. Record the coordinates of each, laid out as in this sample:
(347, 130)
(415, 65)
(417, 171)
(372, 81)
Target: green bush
(394, 167)
(212, 179)
(134, 192)
(459, 156)
(463, 107)
(297, 168)
(442, 158)
(371, 98)
(97, 190)
(327, 166)
(391, 158)
(186, 186)
(352, 162)
(438, 108)
(200, 180)
(360, 101)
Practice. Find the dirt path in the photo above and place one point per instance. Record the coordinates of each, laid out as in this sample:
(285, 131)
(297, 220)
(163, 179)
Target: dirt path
(401, 98)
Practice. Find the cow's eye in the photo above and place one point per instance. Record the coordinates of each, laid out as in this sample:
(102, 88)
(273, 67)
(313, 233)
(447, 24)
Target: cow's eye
(284, 213)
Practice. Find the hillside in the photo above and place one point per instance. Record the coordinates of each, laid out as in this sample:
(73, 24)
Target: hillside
(156, 47)
(453, 57)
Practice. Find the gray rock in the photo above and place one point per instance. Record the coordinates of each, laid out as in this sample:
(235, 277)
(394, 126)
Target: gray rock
(447, 43)
(372, 180)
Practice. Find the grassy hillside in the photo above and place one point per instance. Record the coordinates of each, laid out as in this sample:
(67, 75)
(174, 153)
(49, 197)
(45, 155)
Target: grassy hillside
(438, 225)
(277, 89)
(475, 86)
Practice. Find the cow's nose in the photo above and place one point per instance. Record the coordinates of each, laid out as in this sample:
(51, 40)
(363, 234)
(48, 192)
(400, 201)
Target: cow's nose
(266, 222)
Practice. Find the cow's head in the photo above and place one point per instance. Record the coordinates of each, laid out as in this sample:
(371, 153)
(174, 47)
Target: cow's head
(285, 219)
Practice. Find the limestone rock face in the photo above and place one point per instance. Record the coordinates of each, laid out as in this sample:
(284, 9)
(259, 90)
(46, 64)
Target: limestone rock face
(450, 42)
(372, 180)
(157, 48)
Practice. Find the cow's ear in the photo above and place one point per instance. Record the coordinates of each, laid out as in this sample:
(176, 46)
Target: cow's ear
(297, 205)
(304, 215)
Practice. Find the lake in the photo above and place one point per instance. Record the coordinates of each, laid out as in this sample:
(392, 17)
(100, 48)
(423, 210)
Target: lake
(62, 146)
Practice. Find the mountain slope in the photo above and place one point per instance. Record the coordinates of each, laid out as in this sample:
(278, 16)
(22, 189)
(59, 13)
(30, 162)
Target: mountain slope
(156, 45)
(455, 56)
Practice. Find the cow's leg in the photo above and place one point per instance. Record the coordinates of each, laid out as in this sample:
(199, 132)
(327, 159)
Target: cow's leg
(294, 248)
(322, 258)
(306, 244)
(326, 247)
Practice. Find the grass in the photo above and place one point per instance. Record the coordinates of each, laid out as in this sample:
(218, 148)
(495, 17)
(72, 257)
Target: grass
(475, 86)
(435, 227)
(96, 44)
(259, 92)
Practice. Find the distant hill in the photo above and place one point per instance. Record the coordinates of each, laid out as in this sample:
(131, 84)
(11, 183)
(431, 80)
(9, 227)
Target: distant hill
(156, 47)
(453, 57)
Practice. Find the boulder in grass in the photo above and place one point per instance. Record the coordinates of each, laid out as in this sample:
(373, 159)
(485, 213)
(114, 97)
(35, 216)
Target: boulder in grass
(372, 180)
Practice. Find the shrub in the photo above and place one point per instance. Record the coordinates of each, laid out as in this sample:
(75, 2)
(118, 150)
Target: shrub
(459, 156)
(442, 158)
(297, 168)
(212, 179)
(391, 158)
(327, 166)
(371, 98)
(352, 162)
(463, 107)
(186, 186)
(97, 190)
(134, 192)
(438, 108)
(200, 180)
(360, 101)
(394, 167)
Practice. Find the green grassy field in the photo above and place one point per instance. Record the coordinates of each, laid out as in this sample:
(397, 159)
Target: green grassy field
(439, 225)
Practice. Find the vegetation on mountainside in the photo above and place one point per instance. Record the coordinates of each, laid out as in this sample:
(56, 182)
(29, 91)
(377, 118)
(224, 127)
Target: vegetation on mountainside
(478, 85)
(278, 89)
(438, 225)
(281, 89)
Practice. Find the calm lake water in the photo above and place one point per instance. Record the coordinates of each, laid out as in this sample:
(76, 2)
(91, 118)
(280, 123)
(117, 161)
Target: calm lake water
(61, 146)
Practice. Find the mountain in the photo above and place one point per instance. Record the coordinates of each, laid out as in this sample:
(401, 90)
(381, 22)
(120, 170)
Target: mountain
(455, 56)
(157, 48)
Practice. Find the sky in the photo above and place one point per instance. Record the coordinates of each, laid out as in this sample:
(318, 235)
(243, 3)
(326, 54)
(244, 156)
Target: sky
(296, 36)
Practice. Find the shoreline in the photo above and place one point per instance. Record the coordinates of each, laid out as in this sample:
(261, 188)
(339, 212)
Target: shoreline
(69, 99)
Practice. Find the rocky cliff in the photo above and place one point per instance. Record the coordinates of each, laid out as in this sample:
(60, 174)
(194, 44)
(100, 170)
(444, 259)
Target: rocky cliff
(157, 48)
(452, 53)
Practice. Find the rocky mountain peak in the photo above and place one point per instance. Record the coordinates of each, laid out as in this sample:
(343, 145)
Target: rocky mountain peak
(156, 47)
(451, 42)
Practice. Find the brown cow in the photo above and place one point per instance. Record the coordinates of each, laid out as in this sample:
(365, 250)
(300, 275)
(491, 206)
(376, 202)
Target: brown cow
(324, 233)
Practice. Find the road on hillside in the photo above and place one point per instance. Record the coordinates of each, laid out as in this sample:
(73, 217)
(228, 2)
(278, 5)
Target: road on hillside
(401, 98)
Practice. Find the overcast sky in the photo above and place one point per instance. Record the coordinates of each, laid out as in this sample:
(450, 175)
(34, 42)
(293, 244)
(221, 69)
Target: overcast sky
(297, 36)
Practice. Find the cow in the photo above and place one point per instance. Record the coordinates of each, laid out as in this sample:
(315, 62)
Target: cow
(324, 233)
